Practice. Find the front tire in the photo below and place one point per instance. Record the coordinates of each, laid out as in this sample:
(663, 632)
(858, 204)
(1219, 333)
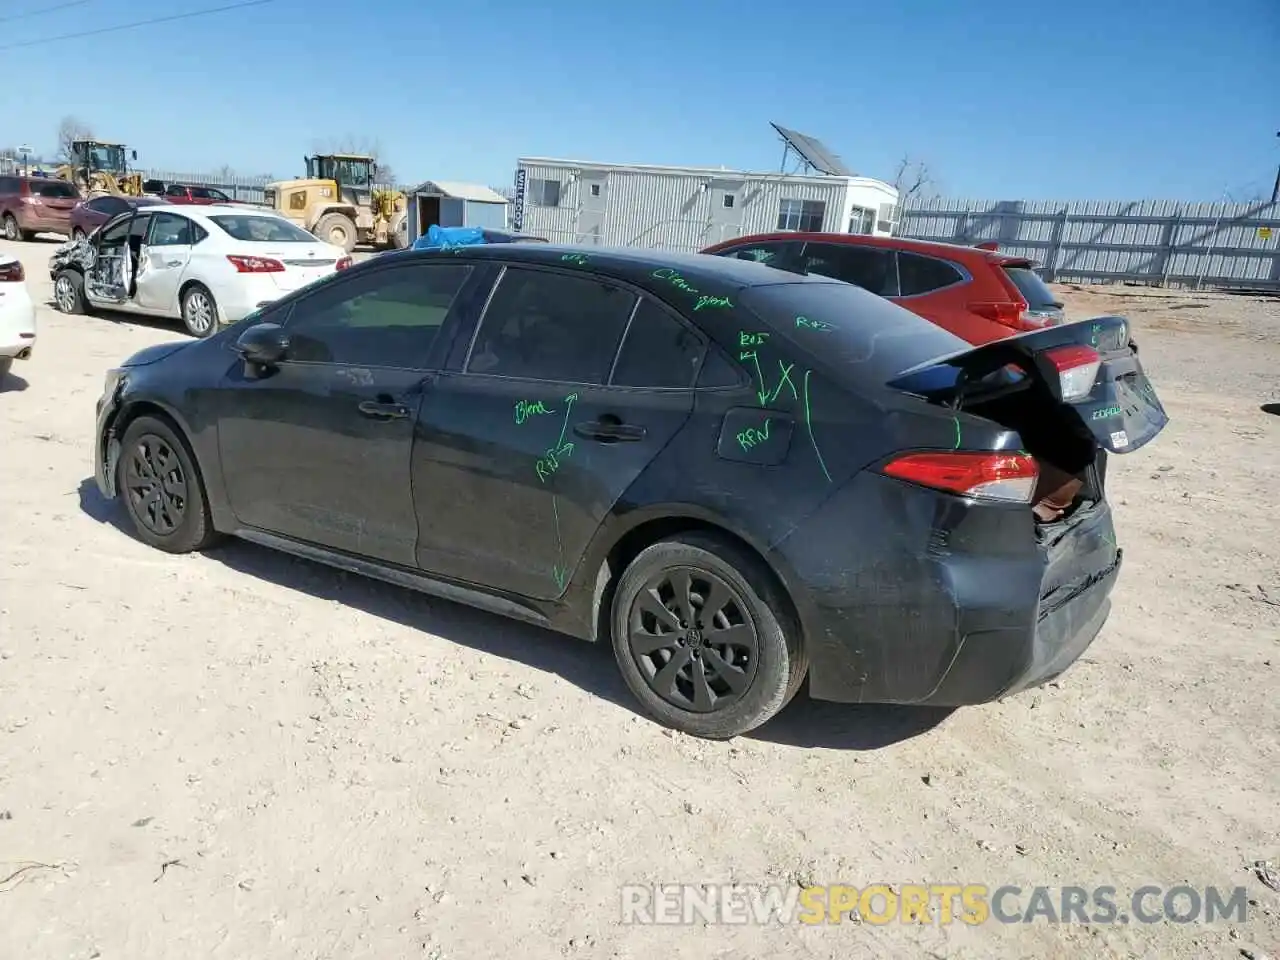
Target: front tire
(68, 293)
(162, 489)
(11, 231)
(398, 235)
(199, 311)
(337, 229)
(703, 637)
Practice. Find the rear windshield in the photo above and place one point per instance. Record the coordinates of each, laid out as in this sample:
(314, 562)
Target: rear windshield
(57, 189)
(263, 229)
(849, 327)
(1034, 290)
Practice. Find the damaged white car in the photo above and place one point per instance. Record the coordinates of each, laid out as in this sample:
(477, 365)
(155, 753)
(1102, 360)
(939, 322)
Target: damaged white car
(206, 266)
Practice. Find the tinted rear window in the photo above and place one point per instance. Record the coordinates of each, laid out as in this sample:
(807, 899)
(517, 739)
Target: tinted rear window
(1034, 290)
(263, 229)
(57, 189)
(843, 326)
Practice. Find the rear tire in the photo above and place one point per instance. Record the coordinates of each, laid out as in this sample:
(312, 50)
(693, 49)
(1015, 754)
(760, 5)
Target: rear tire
(715, 676)
(199, 311)
(337, 229)
(6, 364)
(11, 231)
(162, 490)
(68, 293)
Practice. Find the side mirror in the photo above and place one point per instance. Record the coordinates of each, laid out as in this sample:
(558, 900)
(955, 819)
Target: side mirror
(264, 344)
(373, 172)
(135, 154)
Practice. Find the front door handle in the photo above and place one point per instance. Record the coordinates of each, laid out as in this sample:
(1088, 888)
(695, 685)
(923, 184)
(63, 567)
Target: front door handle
(609, 432)
(173, 263)
(383, 409)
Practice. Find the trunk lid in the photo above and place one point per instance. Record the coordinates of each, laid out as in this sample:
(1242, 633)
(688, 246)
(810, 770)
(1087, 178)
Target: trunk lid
(303, 263)
(1119, 409)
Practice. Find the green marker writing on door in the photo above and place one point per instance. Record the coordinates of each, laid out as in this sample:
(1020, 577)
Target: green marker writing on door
(526, 409)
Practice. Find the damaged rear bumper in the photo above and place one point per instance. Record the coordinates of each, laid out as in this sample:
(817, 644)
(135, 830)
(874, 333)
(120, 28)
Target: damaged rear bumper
(992, 664)
(921, 601)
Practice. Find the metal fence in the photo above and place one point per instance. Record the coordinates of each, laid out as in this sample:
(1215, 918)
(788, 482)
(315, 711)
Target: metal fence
(1155, 242)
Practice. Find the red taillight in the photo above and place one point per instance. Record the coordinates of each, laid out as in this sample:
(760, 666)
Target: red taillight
(255, 264)
(344, 263)
(1008, 477)
(1011, 313)
(1077, 367)
(11, 273)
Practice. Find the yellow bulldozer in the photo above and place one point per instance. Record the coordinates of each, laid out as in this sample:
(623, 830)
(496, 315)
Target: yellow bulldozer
(337, 201)
(98, 168)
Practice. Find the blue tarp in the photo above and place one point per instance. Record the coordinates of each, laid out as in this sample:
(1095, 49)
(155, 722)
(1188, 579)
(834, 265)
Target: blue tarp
(445, 237)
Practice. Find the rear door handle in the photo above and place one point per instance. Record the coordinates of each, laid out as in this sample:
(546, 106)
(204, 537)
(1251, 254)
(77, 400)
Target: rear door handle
(383, 410)
(607, 432)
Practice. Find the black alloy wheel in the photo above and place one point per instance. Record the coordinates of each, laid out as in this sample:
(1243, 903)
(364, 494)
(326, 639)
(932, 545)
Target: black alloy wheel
(156, 485)
(693, 640)
(705, 636)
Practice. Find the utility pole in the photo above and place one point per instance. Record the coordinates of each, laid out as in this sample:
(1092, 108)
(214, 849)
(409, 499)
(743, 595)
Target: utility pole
(1275, 191)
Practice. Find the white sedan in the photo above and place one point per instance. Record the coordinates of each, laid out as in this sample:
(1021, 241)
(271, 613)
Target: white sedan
(17, 314)
(205, 266)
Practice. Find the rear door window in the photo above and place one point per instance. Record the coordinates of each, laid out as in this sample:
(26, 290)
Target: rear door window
(919, 274)
(169, 230)
(659, 351)
(871, 268)
(551, 326)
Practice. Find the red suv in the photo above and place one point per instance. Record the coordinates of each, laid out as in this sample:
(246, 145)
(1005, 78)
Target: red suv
(977, 293)
(31, 205)
(201, 196)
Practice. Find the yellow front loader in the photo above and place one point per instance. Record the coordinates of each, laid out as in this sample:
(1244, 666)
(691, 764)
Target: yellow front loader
(338, 203)
(98, 168)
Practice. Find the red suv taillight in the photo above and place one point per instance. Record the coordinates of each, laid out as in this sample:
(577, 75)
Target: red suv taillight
(1006, 477)
(344, 263)
(255, 264)
(11, 273)
(1013, 314)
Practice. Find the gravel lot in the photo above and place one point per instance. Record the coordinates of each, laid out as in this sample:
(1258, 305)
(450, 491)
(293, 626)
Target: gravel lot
(240, 755)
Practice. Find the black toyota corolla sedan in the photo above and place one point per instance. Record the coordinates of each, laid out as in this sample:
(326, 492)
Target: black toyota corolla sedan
(737, 476)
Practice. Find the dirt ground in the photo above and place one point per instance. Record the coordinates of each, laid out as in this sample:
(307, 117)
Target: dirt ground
(239, 755)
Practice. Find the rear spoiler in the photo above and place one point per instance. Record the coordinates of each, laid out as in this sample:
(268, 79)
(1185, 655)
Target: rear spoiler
(991, 245)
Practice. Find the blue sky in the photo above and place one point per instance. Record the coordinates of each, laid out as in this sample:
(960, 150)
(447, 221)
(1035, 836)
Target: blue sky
(1085, 100)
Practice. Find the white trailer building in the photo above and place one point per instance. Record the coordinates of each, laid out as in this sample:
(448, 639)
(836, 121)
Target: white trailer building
(689, 208)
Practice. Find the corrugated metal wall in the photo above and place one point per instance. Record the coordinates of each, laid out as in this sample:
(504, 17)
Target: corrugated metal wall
(1217, 244)
(672, 211)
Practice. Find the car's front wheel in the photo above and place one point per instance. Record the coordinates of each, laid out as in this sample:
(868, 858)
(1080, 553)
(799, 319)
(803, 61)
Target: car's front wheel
(11, 229)
(162, 489)
(703, 637)
(68, 292)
